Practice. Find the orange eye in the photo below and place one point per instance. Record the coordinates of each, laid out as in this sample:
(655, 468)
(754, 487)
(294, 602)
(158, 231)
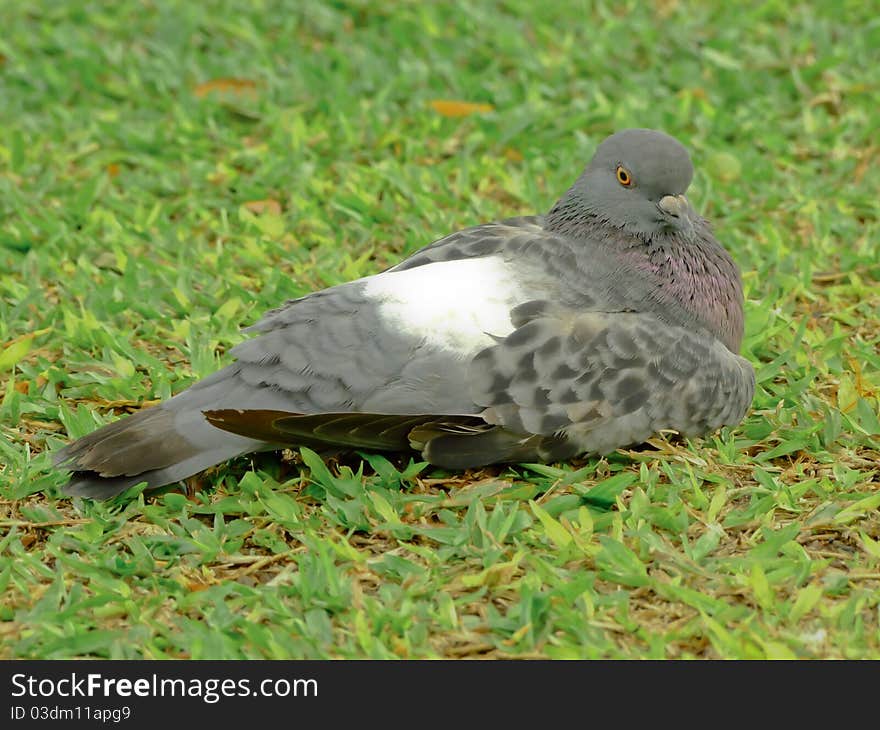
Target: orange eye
(623, 176)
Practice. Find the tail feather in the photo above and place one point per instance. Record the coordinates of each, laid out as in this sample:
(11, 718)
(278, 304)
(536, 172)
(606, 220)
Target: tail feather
(159, 446)
(88, 484)
(94, 486)
(143, 442)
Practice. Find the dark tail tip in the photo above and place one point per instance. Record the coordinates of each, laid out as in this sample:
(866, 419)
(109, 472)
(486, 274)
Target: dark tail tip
(93, 486)
(144, 447)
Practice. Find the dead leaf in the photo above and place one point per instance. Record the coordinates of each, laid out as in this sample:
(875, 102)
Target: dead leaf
(695, 93)
(665, 8)
(264, 206)
(448, 108)
(232, 86)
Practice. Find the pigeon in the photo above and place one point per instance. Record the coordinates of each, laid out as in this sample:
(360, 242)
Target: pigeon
(533, 339)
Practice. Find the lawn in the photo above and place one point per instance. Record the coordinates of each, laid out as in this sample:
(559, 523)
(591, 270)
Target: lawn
(170, 170)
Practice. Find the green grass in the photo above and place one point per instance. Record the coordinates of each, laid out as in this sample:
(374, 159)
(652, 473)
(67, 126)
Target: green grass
(131, 251)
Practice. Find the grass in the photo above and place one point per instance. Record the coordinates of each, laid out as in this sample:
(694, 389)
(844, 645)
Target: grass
(170, 170)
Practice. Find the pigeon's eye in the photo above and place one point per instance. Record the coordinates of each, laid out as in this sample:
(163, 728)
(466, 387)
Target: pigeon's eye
(623, 176)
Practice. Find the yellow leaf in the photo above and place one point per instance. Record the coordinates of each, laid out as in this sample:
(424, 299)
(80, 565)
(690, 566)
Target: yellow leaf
(123, 365)
(806, 599)
(517, 635)
(448, 108)
(384, 508)
(14, 351)
(233, 86)
(494, 575)
(556, 532)
(847, 393)
(871, 546)
(264, 206)
(860, 508)
(694, 93)
(778, 650)
(181, 297)
(268, 223)
(761, 588)
(585, 522)
(724, 166)
(228, 309)
(719, 499)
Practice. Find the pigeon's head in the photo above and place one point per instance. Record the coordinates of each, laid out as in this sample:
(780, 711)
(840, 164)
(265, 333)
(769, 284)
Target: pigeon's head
(636, 181)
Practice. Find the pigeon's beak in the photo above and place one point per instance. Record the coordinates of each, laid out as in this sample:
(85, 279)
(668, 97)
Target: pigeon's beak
(675, 210)
(675, 206)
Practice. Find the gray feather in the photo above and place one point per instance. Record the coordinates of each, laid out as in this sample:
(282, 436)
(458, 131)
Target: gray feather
(610, 379)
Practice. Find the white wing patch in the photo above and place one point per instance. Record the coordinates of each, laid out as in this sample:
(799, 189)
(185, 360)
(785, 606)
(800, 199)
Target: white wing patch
(452, 305)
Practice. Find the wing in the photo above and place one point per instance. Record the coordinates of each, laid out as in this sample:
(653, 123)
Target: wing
(483, 240)
(394, 343)
(490, 239)
(596, 381)
(399, 341)
(354, 430)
